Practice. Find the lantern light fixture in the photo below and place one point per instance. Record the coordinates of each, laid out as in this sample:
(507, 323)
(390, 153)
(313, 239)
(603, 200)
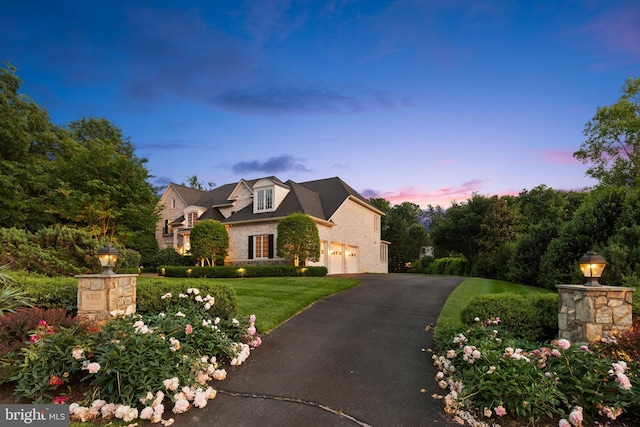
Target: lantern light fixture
(592, 266)
(108, 256)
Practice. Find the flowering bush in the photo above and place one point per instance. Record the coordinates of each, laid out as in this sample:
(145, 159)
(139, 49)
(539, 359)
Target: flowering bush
(487, 369)
(135, 364)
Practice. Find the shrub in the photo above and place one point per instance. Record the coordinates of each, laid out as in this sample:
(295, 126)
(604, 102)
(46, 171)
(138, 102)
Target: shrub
(229, 271)
(149, 296)
(532, 317)
(128, 259)
(50, 292)
(169, 256)
(15, 329)
(497, 375)
(453, 266)
(12, 298)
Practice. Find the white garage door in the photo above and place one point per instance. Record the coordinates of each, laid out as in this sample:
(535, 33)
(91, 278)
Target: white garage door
(352, 259)
(335, 260)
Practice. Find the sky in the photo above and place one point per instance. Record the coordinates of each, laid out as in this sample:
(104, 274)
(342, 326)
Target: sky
(422, 101)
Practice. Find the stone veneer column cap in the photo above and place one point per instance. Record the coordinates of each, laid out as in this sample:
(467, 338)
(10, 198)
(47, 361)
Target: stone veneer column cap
(595, 288)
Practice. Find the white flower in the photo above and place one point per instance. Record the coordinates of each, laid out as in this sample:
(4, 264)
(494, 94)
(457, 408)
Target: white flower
(219, 374)
(146, 413)
(199, 298)
(207, 306)
(166, 296)
(181, 406)
(182, 296)
(200, 400)
(235, 321)
(93, 367)
(77, 353)
(180, 314)
(171, 384)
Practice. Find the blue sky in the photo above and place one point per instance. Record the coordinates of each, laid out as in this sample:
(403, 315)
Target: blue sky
(411, 100)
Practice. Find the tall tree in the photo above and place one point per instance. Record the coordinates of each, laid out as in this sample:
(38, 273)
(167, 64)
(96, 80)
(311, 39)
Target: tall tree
(612, 143)
(407, 234)
(459, 230)
(209, 242)
(298, 239)
(27, 142)
(194, 182)
(101, 184)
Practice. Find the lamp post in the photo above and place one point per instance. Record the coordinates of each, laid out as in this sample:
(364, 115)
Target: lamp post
(592, 265)
(108, 255)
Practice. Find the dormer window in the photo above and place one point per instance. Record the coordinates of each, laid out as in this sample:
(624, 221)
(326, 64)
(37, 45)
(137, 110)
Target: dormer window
(264, 201)
(191, 219)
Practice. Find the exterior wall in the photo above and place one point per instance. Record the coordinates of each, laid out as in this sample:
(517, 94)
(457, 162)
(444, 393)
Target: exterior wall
(101, 296)
(243, 196)
(356, 229)
(239, 242)
(168, 213)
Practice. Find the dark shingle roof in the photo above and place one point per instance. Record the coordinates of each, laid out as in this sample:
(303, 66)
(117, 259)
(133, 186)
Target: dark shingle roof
(319, 199)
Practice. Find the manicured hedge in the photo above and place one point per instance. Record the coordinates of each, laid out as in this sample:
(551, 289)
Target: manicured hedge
(448, 266)
(227, 272)
(49, 292)
(532, 317)
(149, 295)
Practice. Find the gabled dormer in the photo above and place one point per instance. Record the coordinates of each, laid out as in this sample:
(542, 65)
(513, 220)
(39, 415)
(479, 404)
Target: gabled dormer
(268, 194)
(191, 215)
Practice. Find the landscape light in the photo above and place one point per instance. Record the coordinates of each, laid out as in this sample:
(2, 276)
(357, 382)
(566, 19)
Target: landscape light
(108, 255)
(592, 265)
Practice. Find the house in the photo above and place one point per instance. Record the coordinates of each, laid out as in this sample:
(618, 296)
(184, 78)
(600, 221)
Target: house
(348, 225)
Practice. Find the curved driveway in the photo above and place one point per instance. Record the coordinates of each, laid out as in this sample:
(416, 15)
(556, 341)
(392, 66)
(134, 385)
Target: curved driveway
(355, 358)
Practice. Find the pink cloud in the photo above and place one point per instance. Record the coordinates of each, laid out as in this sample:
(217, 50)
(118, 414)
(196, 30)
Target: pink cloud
(441, 196)
(557, 157)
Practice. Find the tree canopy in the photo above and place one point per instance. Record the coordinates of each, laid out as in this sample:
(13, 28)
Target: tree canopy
(298, 239)
(612, 144)
(84, 175)
(209, 242)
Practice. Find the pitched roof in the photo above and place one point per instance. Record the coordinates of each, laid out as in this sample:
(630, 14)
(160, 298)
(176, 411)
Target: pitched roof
(319, 199)
(188, 194)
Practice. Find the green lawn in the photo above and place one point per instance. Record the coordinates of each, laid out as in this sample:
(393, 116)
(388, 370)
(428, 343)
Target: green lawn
(275, 299)
(470, 288)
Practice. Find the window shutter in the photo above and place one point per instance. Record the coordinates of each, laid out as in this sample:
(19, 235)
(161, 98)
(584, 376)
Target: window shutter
(270, 245)
(250, 247)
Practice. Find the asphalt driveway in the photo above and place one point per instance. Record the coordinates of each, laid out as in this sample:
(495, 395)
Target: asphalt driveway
(355, 358)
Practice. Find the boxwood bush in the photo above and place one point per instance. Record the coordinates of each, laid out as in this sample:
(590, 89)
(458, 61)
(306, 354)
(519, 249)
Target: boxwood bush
(229, 271)
(149, 295)
(49, 292)
(532, 317)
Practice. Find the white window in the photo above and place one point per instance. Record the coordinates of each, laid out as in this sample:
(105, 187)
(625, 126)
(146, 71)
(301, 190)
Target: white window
(261, 249)
(191, 219)
(384, 257)
(264, 200)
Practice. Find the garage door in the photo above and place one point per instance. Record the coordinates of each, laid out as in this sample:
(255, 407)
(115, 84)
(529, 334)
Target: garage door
(335, 259)
(352, 259)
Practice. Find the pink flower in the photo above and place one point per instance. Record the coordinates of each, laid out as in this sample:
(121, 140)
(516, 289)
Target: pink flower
(500, 411)
(188, 329)
(563, 344)
(251, 330)
(576, 416)
(42, 323)
(623, 381)
(34, 338)
(60, 400)
(252, 318)
(93, 367)
(564, 423)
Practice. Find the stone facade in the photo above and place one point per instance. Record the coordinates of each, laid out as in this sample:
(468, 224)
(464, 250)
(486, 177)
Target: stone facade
(588, 313)
(101, 296)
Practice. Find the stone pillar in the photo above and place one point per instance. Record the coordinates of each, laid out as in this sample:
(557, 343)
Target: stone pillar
(101, 296)
(588, 313)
